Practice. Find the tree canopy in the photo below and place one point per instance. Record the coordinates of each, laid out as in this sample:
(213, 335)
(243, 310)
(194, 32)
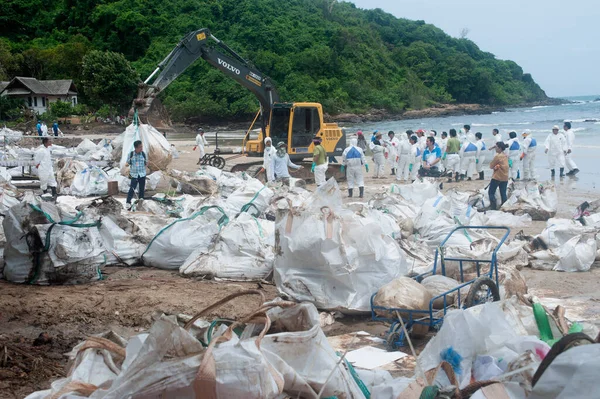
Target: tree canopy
(349, 59)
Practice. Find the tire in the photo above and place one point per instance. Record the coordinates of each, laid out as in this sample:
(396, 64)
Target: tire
(473, 297)
(565, 343)
(392, 338)
(218, 162)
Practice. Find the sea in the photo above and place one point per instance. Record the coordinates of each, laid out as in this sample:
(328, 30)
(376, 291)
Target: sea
(583, 113)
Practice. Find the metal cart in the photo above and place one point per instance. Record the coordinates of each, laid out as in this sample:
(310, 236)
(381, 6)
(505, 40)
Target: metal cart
(484, 288)
(216, 158)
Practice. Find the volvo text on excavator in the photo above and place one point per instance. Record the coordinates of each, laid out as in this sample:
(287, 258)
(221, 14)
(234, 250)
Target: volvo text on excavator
(294, 123)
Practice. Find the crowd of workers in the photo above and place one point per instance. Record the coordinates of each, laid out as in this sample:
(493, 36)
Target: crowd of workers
(454, 155)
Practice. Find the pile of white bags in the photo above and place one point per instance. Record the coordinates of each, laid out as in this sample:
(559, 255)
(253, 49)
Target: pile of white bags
(537, 200)
(332, 257)
(295, 360)
(10, 136)
(156, 146)
(242, 251)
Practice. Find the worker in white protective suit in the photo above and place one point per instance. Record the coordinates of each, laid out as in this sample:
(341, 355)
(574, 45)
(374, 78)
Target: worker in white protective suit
(43, 161)
(468, 158)
(528, 156)
(480, 157)
(404, 157)
(378, 156)
(268, 155)
(353, 159)
(200, 144)
(556, 148)
(391, 144)
(452, 156)
(442, 143)
(514, 155)
(421, 140)
(415, 157)
(569, 162)
(44, 129)
(281, 163)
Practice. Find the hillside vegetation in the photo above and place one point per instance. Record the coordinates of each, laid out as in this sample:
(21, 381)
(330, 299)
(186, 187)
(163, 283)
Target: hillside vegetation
(349, 59)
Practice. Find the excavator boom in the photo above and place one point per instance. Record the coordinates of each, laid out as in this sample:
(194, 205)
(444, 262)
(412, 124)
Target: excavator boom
(193, 46)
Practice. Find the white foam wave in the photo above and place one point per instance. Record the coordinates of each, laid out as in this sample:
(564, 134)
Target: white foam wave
(582, 120)
(540, 106)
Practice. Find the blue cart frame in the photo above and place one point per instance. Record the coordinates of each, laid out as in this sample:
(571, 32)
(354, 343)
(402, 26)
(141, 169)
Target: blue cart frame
(433, 318)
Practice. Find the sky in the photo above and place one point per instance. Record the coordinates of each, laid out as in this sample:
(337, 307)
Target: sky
(557, 41)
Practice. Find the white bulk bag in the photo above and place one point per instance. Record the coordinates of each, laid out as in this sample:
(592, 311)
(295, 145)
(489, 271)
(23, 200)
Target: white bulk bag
(173, 244)
(243, 251)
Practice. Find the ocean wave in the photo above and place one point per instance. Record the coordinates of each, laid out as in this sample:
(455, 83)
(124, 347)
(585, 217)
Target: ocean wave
(583, 120)
(540, 106)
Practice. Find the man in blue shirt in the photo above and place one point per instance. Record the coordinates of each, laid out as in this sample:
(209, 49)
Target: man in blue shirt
(431, 158)
(39, 128)
(137, 171)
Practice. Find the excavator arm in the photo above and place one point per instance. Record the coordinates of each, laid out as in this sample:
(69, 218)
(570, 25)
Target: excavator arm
(193, 46)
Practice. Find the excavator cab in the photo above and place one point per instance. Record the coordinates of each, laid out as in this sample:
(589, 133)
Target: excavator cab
(296, 124)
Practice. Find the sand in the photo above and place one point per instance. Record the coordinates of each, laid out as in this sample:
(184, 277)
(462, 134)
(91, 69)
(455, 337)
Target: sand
(129, 299)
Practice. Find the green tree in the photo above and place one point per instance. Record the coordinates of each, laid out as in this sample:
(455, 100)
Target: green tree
(108, 78)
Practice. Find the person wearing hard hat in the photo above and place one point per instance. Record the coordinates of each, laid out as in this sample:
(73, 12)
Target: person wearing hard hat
(528, 156)
(556, 148)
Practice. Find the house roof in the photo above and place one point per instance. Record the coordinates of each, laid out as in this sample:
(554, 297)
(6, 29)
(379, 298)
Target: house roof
(48, 87)
(3, 85)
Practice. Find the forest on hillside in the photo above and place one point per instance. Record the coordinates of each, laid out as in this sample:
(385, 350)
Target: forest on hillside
(349, 59)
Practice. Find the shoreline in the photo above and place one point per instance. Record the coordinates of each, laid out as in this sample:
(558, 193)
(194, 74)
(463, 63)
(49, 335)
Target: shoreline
(378, 115)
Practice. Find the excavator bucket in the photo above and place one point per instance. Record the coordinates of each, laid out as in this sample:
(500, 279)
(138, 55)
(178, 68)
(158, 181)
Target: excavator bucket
(150, 109)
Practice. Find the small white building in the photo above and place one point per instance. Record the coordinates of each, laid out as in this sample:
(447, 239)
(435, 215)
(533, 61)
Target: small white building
(38, 94)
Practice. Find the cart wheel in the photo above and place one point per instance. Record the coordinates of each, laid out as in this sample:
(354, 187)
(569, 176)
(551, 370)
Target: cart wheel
(483, 290)
(218, 162)
(565, 343)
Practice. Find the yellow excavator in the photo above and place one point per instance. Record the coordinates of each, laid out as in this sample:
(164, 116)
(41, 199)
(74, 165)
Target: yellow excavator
(294, 123)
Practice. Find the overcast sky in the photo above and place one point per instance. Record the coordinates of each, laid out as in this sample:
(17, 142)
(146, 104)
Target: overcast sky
(557, 41)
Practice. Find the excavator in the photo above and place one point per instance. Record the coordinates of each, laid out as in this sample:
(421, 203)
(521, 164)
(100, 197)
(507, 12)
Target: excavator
(294, 123)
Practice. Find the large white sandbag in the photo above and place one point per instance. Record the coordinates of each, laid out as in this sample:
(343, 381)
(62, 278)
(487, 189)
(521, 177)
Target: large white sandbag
(331, 256)
(417, 192)
(90, 181)
(156, 146)
(86, 146)
(403, 293)
(174, 243)
(438, 285)
(69, 253)
(576, 255)
(252, 194)
(243, 251)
